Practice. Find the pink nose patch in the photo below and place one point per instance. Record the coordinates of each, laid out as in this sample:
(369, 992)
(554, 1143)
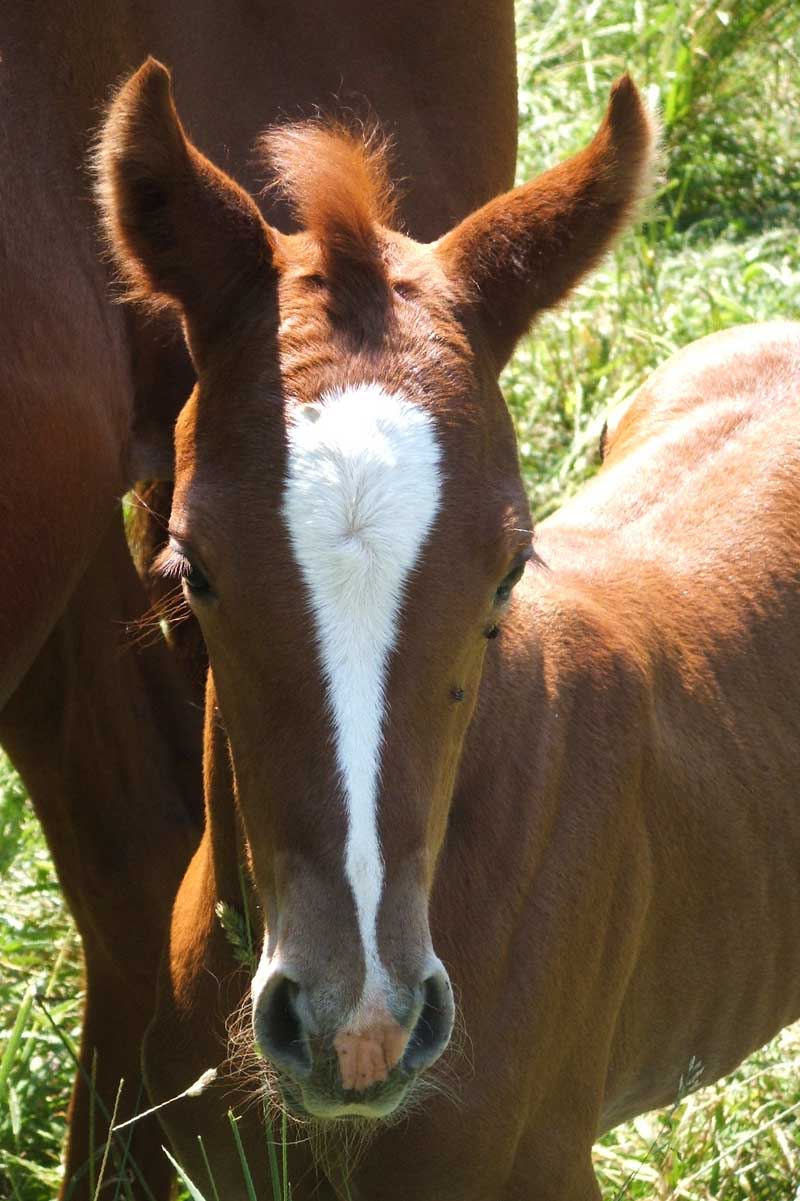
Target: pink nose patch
(367, 1055)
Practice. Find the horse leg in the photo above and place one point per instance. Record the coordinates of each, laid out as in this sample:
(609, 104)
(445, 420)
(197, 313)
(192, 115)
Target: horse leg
(573, 1181)
(107, 743)
(553, 1157)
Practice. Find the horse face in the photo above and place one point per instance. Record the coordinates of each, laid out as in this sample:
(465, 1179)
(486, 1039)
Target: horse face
(348, 544)
(348, 524)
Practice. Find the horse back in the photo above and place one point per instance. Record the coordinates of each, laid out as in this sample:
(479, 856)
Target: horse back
(637, 738)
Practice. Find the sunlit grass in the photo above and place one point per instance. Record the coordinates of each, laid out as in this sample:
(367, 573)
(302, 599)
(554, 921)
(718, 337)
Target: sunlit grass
(39, 975)
(720, 243)
(738, 1139)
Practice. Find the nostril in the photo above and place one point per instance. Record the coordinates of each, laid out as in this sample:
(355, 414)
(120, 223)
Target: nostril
(434, 1026)
(279, 1029)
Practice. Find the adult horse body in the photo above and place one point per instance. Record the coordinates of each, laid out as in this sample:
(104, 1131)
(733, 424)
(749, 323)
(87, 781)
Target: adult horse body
(590, 822)
(107, 742)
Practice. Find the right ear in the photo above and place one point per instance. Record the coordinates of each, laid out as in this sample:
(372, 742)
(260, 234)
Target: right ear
(522, 252)
(181, 231)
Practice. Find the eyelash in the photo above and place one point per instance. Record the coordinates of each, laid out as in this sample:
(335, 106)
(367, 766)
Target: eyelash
(174, 564)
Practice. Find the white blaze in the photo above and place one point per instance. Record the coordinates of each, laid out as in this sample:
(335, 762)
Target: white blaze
(362, 492)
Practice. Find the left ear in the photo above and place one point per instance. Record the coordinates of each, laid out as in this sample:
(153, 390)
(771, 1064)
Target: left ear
(181, 230)
(522, 252)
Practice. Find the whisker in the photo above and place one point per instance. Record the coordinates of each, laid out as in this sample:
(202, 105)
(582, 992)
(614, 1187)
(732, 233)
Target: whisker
(337, 1147)
(141, 503)
(171, 610)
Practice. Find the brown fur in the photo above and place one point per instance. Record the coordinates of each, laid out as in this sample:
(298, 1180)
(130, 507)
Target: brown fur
(164, 205)
(105, 731)
(598, 837)
(521, 254)
(337, 181)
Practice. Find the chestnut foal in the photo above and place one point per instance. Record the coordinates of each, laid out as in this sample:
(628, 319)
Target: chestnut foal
(586, 827)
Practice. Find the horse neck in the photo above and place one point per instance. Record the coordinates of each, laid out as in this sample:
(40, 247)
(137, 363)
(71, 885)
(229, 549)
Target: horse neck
(79, 57)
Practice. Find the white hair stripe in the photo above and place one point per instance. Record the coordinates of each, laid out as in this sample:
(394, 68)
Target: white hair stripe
(361, 495)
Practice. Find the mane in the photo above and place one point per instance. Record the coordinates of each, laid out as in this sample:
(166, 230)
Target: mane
(337, 183)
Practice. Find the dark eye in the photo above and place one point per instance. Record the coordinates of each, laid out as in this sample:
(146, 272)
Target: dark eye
(504, 591)
(194, 580)
(176, 562)
(514, 576)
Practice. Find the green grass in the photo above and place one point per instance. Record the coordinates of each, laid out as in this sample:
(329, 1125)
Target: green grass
(738, 1139)
(39, 976)
(721, 245)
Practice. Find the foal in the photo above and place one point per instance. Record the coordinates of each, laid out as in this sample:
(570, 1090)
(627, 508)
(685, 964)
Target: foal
(556, 820)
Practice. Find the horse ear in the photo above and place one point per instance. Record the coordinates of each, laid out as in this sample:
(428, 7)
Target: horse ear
(523, 251)
(182, 232)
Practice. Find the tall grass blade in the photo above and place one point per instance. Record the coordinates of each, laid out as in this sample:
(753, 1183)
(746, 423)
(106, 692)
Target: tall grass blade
(186, 1181)
(285, 1154)
(15, 1038)
(272, 1152)
(107, 1147)
(92, 1130)
(248, 1178)
(209, 1173)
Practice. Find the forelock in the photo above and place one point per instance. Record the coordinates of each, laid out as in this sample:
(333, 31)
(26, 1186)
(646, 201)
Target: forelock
(337, 182)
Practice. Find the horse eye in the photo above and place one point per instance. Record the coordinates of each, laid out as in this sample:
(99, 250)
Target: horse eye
(195, 581)
(514, 576)
(504, 591)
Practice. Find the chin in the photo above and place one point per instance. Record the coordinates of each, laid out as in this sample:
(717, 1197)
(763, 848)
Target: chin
(335, 1110)
(306, 1104)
